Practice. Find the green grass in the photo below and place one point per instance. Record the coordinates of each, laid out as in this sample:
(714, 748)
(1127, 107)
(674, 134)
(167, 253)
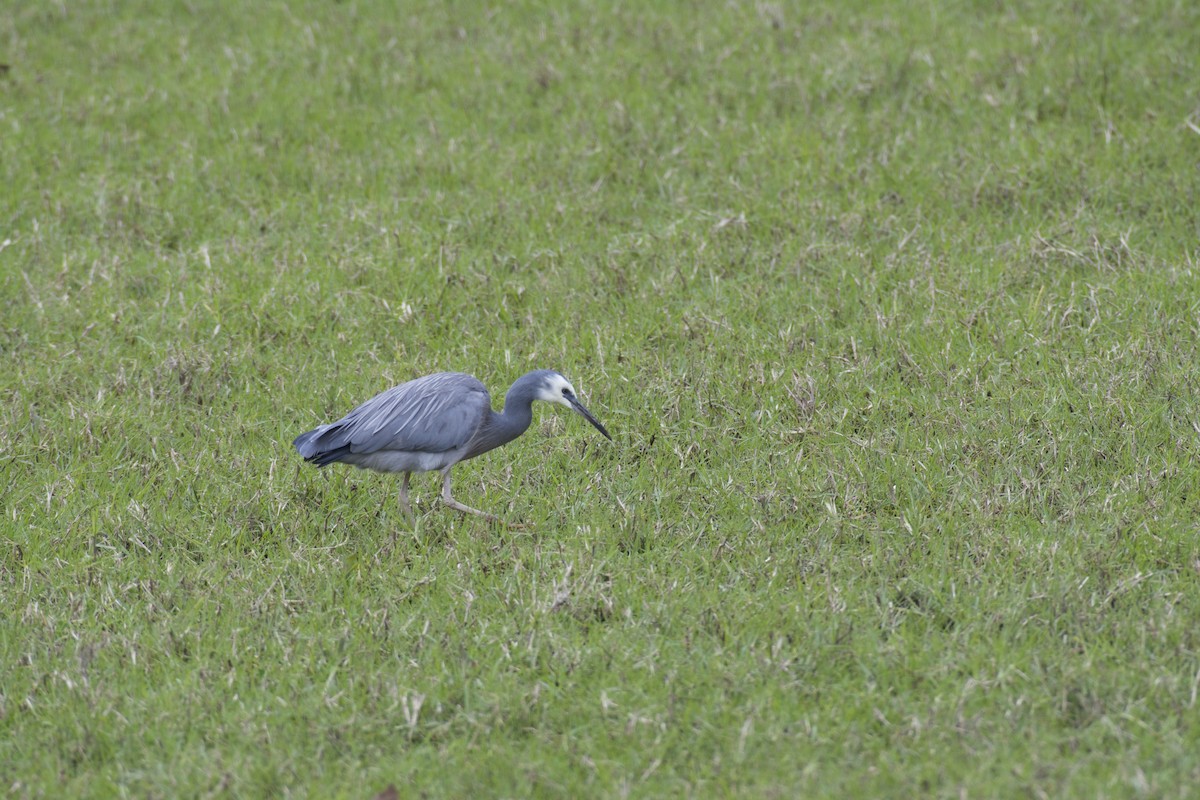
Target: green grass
(893, 311)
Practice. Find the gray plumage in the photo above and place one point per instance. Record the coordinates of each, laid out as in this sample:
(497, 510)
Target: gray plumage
(432, 423)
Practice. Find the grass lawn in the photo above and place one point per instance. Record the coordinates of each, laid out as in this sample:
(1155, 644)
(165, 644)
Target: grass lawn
(893, 311)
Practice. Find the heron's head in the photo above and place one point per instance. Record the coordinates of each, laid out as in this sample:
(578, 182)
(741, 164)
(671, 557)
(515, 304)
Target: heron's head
(554, 388)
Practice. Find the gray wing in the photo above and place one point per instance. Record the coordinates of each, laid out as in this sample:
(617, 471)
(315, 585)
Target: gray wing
(433, 414)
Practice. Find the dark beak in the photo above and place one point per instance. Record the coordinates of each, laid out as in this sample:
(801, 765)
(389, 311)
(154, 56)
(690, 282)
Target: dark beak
(578, 406)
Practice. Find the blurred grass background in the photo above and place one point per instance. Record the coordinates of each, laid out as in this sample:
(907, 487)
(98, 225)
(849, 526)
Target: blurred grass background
(892, 311)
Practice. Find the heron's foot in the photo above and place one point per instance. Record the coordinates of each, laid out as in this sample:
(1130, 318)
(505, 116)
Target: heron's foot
(466, 509)
(512, 526)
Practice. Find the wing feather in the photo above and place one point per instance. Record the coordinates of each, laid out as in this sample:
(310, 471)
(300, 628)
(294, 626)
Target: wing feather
(433, 414)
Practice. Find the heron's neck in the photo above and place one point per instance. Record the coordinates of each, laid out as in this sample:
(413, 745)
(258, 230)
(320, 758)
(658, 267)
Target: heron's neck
(501, 428)
(515, 418)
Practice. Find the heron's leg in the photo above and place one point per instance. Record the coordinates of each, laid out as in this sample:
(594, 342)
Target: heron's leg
(450, 501)
(404, 495)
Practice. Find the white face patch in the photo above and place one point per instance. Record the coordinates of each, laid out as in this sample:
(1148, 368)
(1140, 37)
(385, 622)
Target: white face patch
(552, 392)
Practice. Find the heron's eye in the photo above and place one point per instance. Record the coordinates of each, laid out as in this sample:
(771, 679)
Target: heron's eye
(566, 392)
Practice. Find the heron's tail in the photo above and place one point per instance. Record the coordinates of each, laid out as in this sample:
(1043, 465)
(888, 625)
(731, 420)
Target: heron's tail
(317, 452)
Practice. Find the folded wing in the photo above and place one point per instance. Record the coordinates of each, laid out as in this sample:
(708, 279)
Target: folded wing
(434, 414)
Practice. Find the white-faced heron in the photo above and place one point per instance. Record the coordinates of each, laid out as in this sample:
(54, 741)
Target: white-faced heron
(433, 423)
